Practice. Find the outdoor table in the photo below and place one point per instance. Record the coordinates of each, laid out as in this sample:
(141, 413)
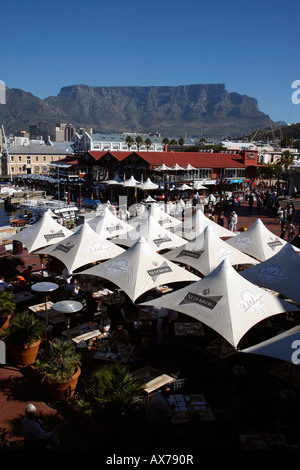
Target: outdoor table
(54, 317)
(22, 297)
(41, 307)
(145, 313)
(40, 275)
(153, 379)
(188, 329)
(187, 405)
(104, 353)
(164, 289)
(84, 332)
(263, 441)
(283, 372)
(221, 348)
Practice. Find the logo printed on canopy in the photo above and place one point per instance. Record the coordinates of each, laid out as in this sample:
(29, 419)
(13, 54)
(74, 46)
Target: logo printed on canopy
(154, 273)
(64, 248)
(118, 267)
(159, 241)
(190, 254)
(50, 236)
(244, 241)
(223, 252)
(97, 247)
(271, 273)
(208, 302)
(274, 244)
(250, 300)
(115, 227)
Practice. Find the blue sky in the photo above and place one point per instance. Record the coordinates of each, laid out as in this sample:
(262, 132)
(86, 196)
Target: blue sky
(252, 47)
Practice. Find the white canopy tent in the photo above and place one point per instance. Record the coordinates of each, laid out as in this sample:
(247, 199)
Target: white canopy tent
(140, 269)
(131, 182)
(184, 187)
(158, 214)
(149, 199)
(199, 185)
(46, 231)
(279, 273)
(158, 237)
(177, 167)
(108, 225)
(163, 167)
(258, 241)
(206, 252)
(148, 185)
(225, 302)
(195, 225)
(281, 346)
(83, 247)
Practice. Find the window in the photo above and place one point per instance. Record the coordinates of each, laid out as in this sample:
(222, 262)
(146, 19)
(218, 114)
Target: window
(203, 173)
(234, 173)
(37, 169)
(36, 158)
(28, 160)
(44, 169)
(12, 169)
(20, 169)
(12, 158)
(51, 158)
(20, 158)
(44, 158)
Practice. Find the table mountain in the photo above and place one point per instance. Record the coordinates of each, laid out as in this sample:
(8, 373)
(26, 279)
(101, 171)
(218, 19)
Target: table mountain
(171, 110)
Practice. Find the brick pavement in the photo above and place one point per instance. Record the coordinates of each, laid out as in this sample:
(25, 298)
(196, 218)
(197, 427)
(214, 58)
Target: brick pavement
(17, 390)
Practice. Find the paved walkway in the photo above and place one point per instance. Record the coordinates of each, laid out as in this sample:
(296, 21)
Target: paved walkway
(17, 390)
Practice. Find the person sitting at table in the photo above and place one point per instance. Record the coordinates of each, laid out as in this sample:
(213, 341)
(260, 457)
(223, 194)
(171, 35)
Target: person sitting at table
(158, 415)
(3, 284)
(20, 283)
(119, 338)
(66, 275)
(72, 287)
(34, 434)
(105, 322)
(27, 273)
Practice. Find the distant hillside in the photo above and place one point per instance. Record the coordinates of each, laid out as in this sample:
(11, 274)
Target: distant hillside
(194, 110)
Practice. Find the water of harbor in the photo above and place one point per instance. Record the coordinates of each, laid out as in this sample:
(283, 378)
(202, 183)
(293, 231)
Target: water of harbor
(6, 216)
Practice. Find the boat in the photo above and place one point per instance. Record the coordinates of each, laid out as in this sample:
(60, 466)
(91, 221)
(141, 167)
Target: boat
(38, 206)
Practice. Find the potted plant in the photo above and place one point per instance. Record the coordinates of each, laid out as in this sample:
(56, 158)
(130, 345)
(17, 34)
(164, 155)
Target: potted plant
(113, 389)
(7, 308)
(59, 366)
(23, 337)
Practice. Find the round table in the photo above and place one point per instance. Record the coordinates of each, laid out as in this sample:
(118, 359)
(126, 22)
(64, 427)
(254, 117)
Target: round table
(67, 307)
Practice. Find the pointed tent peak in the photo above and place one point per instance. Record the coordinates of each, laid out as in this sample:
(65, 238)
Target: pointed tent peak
(141, 240)
(209, 229)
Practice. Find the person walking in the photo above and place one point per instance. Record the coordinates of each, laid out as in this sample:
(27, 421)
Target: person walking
(235, 220)
(231, 222)
(291, 232)
(283, 229)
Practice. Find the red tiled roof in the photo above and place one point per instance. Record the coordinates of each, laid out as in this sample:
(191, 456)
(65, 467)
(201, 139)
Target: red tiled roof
(196, 159)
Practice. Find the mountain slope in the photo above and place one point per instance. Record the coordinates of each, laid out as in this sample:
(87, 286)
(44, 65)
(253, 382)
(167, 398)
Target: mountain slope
(192, 109)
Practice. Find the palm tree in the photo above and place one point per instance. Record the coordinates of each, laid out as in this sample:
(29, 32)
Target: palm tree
(129, 141)
(114, 389)
(139, 141)
(181, 141)
(173, 142)
(148, 143)
(286, 160)
(165, 141)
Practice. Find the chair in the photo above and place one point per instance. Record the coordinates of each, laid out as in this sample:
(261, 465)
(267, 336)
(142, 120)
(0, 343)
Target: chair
(178, 384)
